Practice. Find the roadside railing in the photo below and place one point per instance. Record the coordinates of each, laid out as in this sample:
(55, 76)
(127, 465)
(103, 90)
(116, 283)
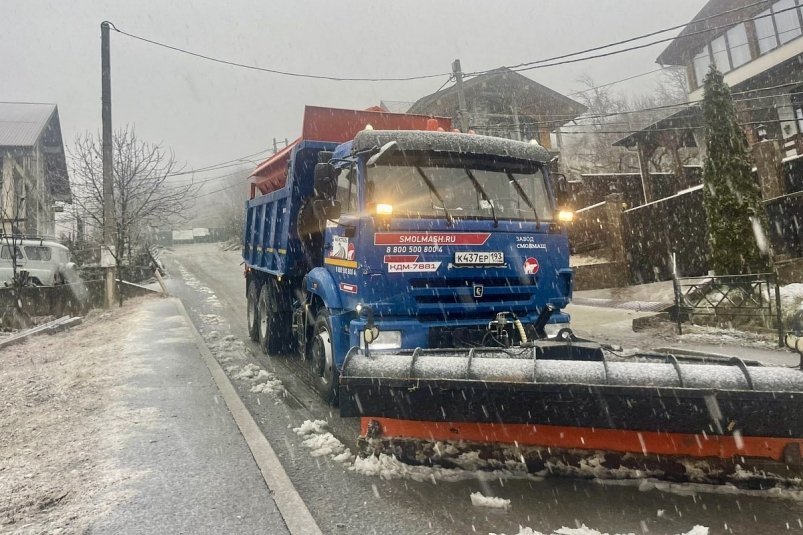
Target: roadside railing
(730, 296)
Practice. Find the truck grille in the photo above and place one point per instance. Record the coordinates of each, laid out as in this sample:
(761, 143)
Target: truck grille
(443, 299)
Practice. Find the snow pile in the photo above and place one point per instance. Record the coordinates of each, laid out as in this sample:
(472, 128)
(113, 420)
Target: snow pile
(270, 385)
(389, 467)
(592, 467)
(478, 499)
(321, 442)
(249, 371)
(585, 530)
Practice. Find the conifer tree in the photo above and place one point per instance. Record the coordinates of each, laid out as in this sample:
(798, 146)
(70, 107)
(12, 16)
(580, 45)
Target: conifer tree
(731, 195)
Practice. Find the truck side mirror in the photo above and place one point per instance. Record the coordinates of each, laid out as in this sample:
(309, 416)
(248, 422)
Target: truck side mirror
(325, 182)
(326, 209)
(563, 194)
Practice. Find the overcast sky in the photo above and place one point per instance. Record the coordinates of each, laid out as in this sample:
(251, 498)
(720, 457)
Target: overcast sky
(208, 113)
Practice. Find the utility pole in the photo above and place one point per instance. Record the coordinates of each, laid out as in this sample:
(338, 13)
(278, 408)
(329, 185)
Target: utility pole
(462, 113)
(107, 259)
(275, 146)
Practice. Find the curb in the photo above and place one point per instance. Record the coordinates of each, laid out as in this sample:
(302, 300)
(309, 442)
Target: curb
(296, 515)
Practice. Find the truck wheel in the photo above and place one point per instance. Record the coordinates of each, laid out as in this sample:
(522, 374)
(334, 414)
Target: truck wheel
(322, 359)
(252, 296)
(273, 329)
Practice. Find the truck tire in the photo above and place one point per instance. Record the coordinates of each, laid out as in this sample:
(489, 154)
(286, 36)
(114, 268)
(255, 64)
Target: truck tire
(273, 329)
(322, 359)
(252, 312)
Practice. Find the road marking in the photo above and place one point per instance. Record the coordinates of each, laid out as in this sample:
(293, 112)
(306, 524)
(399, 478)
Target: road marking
(296, 515)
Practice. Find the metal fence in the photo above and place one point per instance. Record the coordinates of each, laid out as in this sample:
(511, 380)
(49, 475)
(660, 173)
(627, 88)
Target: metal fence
(730, 296)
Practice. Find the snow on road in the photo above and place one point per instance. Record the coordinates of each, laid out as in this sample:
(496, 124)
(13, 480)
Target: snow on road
(585, 530)
(478, 499)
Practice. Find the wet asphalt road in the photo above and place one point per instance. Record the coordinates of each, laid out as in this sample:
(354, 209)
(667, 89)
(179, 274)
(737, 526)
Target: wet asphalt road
(345, 502)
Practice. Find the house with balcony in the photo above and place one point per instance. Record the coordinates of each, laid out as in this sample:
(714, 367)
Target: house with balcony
(759, 49)
(758, 46)
(504, 103)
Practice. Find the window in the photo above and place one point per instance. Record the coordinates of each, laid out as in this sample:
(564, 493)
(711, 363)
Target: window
(765, 31)
(701, 63)
(454, 192)
(41, 254)
(738, 45)
(720, 51)
(6, 255)
(347, 190)
(788, 22)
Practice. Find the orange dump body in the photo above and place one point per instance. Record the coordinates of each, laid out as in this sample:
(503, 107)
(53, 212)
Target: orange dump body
(337, 126)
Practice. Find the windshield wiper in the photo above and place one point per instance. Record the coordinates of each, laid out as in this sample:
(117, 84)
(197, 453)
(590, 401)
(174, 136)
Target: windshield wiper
(437, 195)
(523, 195)
(481, 191)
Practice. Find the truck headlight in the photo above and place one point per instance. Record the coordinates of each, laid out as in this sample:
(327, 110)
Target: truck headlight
(385, 340)
(384, 209)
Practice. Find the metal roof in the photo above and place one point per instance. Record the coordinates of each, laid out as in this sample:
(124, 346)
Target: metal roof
(532, 98)
(22, 123)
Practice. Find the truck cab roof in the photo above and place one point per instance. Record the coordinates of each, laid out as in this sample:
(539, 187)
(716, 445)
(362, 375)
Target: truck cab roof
(447, 142)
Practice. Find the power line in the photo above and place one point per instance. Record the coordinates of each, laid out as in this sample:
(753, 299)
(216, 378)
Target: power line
(614, 82)
(277, 71)
(569, 117)
(643, 36)
(517, 68)
(218, 166)
(230, 186)
(537, 65)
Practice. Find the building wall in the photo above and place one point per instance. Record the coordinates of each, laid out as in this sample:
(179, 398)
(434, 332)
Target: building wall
(23, 177)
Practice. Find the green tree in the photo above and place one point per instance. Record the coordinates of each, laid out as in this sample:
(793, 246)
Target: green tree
(732, 198)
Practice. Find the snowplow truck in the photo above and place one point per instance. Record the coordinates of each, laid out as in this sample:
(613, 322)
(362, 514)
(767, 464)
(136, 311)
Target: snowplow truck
(421, 275)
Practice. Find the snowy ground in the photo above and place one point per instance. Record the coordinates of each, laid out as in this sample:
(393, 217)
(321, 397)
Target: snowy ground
(384, 488)
(60, 426)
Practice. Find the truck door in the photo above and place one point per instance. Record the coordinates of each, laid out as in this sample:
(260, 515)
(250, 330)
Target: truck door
(341, 237)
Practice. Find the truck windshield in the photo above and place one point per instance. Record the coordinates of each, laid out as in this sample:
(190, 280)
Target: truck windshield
(451, 191)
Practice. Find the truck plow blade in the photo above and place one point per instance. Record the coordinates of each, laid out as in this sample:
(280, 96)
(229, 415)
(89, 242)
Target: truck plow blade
(565, 407)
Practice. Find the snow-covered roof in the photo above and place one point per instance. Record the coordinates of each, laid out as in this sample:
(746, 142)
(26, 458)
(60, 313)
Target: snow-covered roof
(22, 123)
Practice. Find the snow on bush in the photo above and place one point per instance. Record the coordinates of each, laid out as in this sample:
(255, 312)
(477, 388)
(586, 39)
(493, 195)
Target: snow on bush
(478, 499)
(791, 299)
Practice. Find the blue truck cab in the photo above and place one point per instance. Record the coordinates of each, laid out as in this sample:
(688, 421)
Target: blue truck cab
(400, 239)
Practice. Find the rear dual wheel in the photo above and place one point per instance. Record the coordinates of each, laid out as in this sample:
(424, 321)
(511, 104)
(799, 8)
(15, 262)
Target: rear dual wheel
(273, 326)
(252, 297)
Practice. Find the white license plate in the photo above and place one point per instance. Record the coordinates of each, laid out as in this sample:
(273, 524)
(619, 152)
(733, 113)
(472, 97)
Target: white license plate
(479, 258)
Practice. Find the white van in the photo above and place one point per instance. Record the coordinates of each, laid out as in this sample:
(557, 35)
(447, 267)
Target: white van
(47, 262)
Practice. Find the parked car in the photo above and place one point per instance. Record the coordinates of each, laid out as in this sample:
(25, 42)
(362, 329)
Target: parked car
(47, 263)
